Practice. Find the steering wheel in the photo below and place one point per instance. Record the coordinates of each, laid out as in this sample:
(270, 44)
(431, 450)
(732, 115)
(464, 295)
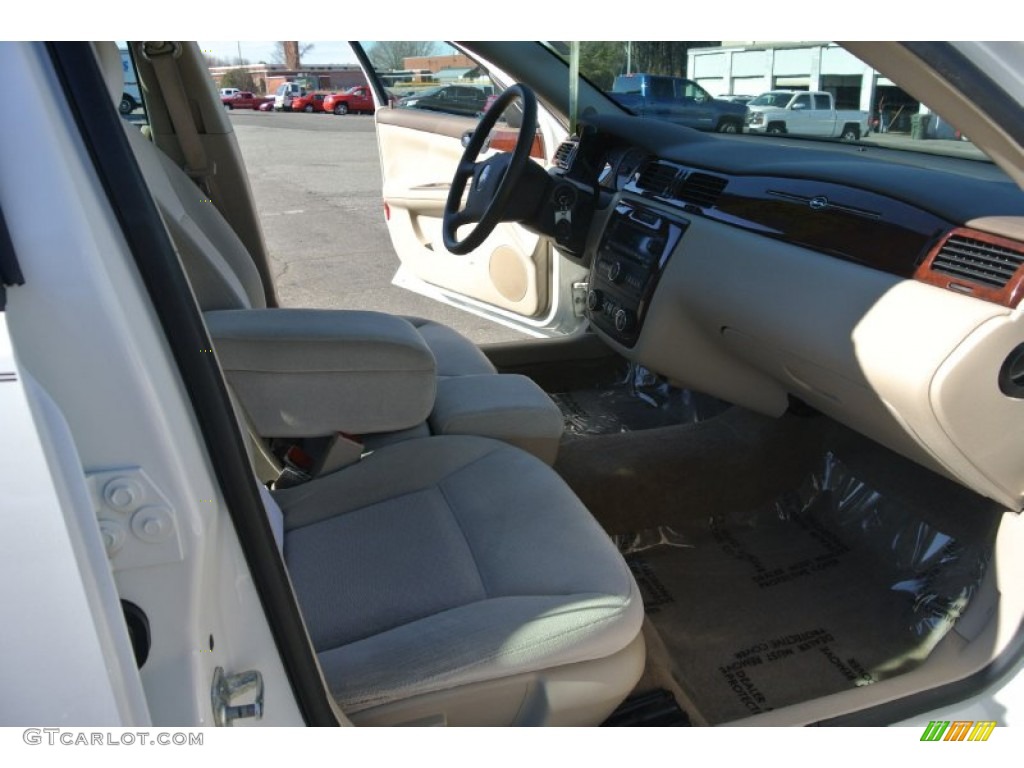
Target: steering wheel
(494, 179)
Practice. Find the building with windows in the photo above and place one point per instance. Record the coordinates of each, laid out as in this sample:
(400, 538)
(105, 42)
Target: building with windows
(267, 77)
(751, 68)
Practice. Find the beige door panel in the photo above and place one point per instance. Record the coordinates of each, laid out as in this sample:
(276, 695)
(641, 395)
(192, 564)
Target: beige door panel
(419, 152)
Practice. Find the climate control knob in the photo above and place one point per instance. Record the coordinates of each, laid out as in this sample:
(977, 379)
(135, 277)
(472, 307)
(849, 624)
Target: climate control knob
(595, 301)
(624, 320)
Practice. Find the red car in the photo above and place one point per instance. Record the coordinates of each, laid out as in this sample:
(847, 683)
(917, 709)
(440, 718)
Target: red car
(357, 99)
(310, 102)
(244, 100)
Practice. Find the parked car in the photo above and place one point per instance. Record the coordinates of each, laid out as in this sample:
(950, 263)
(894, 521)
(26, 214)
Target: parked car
(229, 91)
(677, 100)
(835, 542)
(736, 99)
(244, 100)
(131, 97)
(453, 99)
(284, 95)
(309, 102)
(354, 100)
(804, 113)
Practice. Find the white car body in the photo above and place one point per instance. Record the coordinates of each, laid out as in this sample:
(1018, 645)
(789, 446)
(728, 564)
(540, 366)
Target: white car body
(285, 93)
(805, 113)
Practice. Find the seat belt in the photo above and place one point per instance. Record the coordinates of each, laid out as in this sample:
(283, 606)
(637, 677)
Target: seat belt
(163, 56)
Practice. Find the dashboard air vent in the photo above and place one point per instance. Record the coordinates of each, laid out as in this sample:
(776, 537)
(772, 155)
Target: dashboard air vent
(977, 261)
(701, 189)
(565, 153)
(657, 178)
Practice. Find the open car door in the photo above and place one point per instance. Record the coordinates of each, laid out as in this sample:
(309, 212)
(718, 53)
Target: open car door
(432, 96)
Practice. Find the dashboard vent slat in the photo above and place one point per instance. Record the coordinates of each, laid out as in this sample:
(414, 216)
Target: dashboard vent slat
(565, 154)
(978, 261)
(657, 178)
(701, 189)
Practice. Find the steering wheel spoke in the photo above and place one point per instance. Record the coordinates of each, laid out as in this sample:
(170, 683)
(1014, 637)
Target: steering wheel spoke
(464, 217)
(491, 183)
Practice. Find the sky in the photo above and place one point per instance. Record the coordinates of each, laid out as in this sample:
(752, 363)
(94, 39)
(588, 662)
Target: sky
(450, 19)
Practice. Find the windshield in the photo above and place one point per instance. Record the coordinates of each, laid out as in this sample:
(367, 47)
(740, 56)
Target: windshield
(627, 84)
(771, 100)
(809, 91)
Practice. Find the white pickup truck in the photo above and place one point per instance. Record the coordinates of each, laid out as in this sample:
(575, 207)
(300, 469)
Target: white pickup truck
(804, 113)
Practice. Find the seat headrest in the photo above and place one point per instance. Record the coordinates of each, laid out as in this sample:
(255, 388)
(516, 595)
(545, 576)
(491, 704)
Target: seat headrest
(108, 56)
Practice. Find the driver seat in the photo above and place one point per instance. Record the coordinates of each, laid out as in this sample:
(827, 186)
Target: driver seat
(471, 396)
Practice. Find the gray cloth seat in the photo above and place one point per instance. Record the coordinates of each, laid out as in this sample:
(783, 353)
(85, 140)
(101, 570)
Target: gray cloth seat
(444, 579)
(444, 572)
(454, 353)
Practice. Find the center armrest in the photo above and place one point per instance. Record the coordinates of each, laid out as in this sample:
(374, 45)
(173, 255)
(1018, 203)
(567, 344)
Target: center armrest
(309, 372)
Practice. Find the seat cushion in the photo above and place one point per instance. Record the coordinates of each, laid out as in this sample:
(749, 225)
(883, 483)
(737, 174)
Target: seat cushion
(446, 561)
(454, 354)
(510, 407)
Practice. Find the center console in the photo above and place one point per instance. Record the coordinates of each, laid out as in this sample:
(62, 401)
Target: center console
(631, 257)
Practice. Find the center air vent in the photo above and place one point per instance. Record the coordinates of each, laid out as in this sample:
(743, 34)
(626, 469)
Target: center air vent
(565, 153)
(657, 178)
(978, 261)
(701, 189)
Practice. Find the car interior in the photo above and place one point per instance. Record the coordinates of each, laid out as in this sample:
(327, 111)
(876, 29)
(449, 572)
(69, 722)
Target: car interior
(776, 482)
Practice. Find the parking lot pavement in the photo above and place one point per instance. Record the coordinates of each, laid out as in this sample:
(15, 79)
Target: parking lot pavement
(316, 181)
(939, 146)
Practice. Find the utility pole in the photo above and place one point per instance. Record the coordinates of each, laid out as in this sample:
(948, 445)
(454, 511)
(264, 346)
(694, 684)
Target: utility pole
(291, 55)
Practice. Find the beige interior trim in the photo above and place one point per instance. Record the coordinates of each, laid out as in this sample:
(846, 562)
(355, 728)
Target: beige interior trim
(511, 270)
(577, 694)
(914, 367)
(1004, 226)
(235, 200)
(439, 123)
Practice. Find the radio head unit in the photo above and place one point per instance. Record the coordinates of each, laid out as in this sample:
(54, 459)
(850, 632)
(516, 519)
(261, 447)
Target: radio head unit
(631, 257)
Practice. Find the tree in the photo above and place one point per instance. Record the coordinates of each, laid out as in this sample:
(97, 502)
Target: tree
(663, 57)
(221, 61)
(391, 55)
(290, 53)
(601, 61)
(240, 79)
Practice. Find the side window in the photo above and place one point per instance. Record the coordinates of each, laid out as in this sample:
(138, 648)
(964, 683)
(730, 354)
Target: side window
(802, 102)
(431, 76)
(661, 89)
(694, 91)
(821, 101)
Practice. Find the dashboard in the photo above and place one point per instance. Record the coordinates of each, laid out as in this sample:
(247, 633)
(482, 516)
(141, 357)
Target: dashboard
(879, 286)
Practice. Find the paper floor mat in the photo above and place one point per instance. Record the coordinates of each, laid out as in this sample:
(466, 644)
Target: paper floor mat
(824, 591)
